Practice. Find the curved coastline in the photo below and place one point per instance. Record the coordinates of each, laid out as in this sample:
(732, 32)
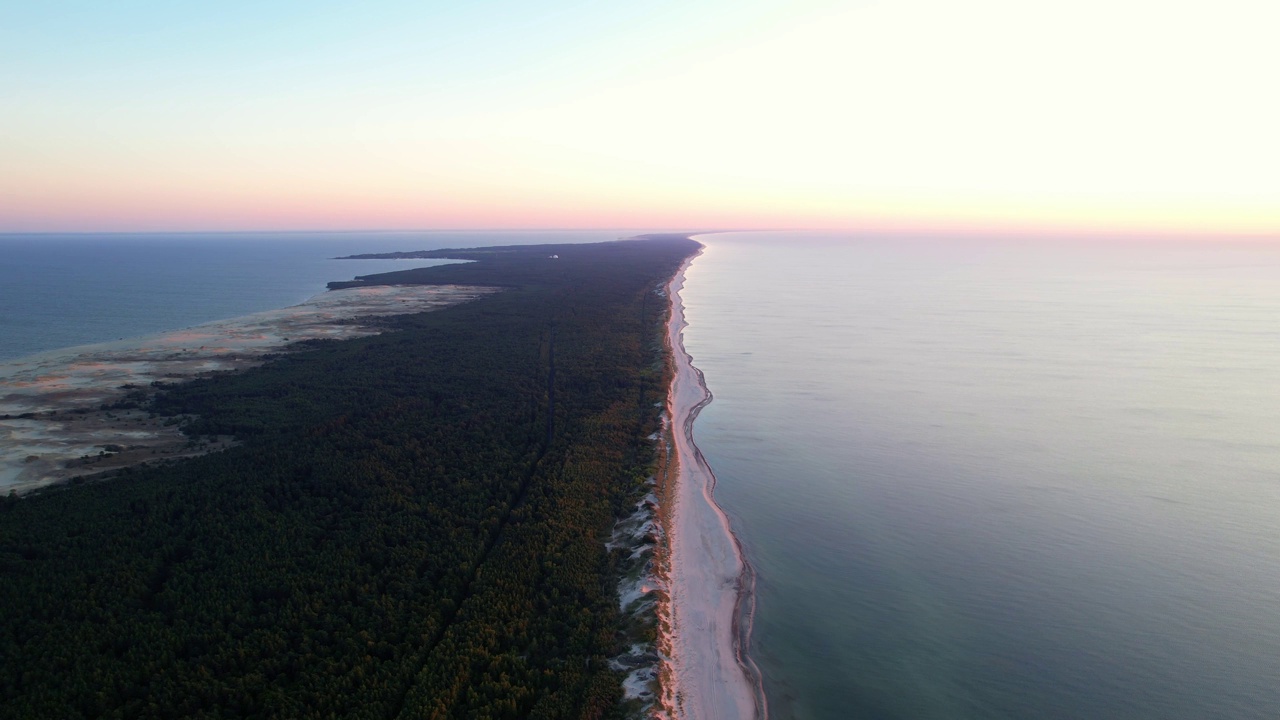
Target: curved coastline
(712, 585)
(41, 394)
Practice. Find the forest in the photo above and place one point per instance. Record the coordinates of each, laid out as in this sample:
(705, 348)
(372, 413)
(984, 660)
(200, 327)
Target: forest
(412, 526)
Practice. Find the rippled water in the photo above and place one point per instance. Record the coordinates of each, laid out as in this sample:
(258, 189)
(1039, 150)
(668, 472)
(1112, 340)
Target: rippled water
(998, 479)
(62, 290)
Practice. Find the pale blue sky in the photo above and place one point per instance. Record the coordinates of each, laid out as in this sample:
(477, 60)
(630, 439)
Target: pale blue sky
(54, 49)
(1117, 113)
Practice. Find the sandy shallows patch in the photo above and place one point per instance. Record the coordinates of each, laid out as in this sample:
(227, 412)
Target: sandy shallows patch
(53, 427)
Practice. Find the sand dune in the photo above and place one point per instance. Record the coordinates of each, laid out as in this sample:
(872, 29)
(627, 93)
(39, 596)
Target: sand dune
(52, 423)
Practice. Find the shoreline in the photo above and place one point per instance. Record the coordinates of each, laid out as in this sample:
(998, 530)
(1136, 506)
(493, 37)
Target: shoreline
(79, 412)
(711, 584)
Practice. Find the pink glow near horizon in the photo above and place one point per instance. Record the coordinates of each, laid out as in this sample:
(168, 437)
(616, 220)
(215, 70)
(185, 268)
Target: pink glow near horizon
(292, 214)
(985, 118)
(300, 215)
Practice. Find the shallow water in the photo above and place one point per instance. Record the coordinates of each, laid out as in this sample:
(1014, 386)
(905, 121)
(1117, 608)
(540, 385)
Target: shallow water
(62, 290)
(998, 479)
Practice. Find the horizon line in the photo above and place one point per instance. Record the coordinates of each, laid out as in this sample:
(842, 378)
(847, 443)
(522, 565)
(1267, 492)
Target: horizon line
(890, 229)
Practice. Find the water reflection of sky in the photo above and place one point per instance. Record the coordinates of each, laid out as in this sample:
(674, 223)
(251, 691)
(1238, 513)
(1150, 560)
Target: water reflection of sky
(1000, 480)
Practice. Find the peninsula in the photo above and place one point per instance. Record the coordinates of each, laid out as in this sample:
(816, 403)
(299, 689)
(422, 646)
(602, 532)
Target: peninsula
(414, 523)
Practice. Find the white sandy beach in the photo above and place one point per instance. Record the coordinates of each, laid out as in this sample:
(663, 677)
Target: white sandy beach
(707, 577)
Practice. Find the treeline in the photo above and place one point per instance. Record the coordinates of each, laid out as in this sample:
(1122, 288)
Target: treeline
(413, 527)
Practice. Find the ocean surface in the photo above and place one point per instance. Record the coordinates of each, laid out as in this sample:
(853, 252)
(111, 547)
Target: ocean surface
(977, 479)
(58, 291)
(999, 479)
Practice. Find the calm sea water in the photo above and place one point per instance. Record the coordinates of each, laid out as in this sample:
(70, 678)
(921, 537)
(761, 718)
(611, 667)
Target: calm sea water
(62, 290)
(978, 479)
(997, 479)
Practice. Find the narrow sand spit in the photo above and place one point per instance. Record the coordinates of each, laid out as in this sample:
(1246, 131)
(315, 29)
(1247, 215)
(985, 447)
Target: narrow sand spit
(58, 418)
(711, 585)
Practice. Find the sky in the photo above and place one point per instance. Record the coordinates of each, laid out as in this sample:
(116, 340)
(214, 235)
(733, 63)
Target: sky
(697, 114)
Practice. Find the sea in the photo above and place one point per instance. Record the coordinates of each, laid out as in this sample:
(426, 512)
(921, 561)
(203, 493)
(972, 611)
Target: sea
(62, 290)
(977, 478)
(999, 478)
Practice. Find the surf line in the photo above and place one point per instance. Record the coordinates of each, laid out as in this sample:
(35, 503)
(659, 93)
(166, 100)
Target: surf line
(703, 621)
